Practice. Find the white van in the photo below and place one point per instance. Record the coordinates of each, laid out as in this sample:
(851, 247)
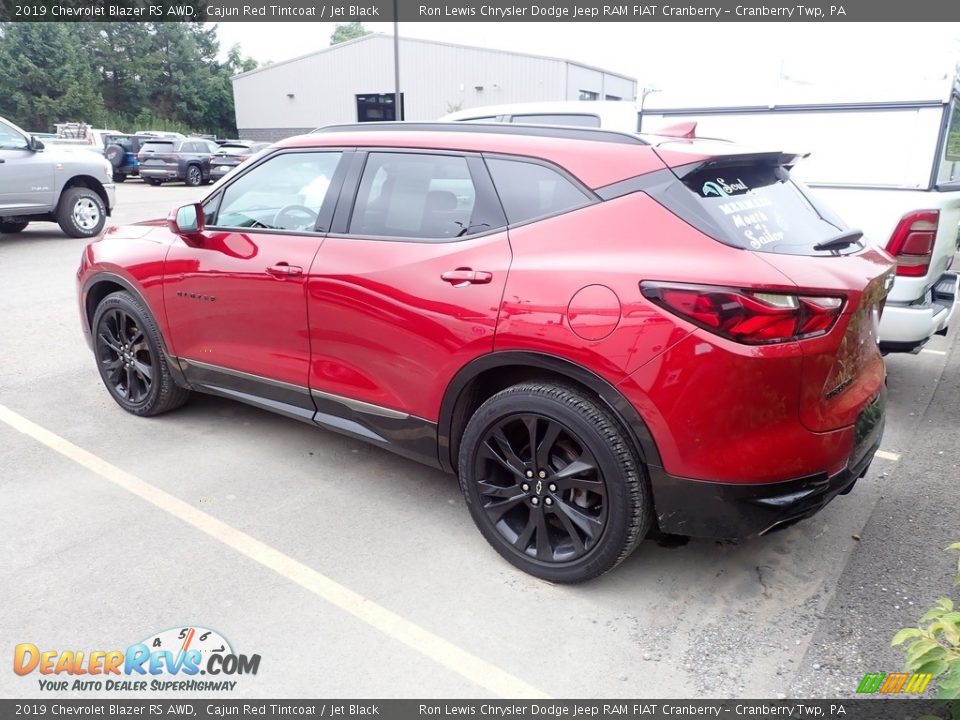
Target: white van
(890, 168)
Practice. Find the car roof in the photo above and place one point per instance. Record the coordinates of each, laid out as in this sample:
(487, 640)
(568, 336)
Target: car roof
(596, 157)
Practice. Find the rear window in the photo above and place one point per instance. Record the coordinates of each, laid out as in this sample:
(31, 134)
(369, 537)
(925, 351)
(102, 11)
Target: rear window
(758, 207)
(158, 146)
(234, 150)
(948, 173)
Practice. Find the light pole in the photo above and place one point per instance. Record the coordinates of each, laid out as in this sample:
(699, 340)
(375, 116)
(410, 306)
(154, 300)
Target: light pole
(397, 103)
(643, 96)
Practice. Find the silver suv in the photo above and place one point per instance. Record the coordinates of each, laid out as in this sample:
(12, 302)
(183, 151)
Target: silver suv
(69, 185)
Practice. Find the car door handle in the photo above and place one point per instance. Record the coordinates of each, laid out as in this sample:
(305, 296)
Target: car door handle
(465, 276)
(283, 270)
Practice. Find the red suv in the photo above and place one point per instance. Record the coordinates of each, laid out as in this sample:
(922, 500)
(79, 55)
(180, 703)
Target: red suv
(599, 333)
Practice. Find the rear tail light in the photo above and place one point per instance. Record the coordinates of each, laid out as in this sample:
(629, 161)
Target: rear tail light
(747, 316)
(912, 242)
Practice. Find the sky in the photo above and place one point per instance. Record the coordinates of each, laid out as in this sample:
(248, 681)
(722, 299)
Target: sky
(678, 56)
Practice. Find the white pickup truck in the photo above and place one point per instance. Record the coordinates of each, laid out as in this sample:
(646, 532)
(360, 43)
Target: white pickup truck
(70, 185)
(890, 168)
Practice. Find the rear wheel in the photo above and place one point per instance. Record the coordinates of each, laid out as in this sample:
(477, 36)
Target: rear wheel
(81, 213)
(127, 346)
(119, 177)
(553, 483)
(194, 176)
(8, 227)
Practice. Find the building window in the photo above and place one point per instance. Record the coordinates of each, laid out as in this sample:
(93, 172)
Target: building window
(375, 107)
(589, 95)
(614, 97)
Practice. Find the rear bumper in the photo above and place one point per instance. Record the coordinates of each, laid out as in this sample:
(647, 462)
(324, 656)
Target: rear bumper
(907, 326)
(218, 171)
(161, 173)
(740, 510)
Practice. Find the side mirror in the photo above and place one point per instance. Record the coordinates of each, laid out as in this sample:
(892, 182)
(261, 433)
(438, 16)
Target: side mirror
(35, 144)
(187, 221)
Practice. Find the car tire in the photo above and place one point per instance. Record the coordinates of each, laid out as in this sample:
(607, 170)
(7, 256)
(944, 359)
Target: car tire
(572, 508)
(194, 176)
(8, 227)
(119, 177)
(126, 345)
(114, 154)
(81, 213)
(152, 181)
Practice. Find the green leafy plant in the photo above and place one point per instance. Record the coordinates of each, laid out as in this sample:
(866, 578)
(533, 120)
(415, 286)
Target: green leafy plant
(934, 645)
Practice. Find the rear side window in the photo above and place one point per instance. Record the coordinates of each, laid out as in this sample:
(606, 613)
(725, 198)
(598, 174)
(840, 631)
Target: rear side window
(529, 190)
(414, 196)
(758, 207)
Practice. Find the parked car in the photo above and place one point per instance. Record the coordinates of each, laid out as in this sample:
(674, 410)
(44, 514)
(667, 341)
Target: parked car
(574, 321)
(166, 159)
(231, 155)
(122, 151)
(906, 199)
(71, 186)
(160, 134)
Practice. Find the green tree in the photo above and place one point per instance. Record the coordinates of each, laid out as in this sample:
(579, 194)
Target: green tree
(47, 76)
(347, 31)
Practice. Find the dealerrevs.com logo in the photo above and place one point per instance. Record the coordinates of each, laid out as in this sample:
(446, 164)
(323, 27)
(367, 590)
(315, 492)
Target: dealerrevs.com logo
(171, 660)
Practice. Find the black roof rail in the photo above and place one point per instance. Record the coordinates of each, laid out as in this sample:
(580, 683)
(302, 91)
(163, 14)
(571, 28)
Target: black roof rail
(552, 131)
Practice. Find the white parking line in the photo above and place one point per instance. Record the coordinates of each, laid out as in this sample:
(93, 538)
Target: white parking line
(469, 666)
(884, 455)
(934, 352)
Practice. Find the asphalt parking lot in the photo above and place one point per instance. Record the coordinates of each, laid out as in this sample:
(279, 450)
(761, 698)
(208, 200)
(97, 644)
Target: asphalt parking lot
(355, 573)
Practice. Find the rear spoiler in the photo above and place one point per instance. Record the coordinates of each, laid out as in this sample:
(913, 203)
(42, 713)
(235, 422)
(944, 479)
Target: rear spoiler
(685, 163)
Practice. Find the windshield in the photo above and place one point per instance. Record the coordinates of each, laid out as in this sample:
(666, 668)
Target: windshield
(949, 171)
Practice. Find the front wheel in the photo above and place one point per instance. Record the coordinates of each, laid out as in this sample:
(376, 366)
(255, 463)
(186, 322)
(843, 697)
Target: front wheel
(81, 213)
(553, 483)
(127, 346)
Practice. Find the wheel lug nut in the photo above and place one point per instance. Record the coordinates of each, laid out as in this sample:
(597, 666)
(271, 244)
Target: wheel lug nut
(549, 501)
(525, 487)
(542, 474)
(552, 487)
(529, 473)
(534, 501)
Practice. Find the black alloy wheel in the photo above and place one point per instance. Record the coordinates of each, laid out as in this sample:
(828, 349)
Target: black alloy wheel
(126, 362)
(553, 483)
(541, 488)
(126, 345)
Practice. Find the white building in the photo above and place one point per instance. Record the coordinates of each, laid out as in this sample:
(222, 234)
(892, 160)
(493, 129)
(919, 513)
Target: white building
(354, 81)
